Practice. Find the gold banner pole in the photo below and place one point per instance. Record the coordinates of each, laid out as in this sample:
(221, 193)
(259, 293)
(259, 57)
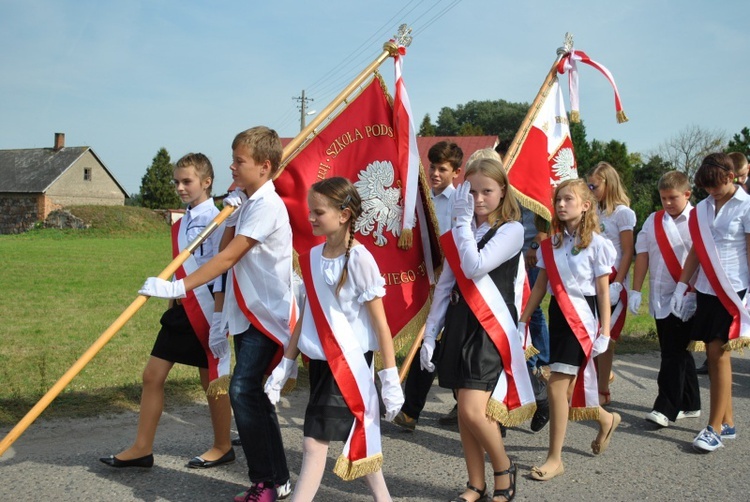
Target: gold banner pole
(390, 48)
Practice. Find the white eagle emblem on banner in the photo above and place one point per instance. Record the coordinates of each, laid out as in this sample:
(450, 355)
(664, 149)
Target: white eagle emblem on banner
(381, 211)
(564, 167)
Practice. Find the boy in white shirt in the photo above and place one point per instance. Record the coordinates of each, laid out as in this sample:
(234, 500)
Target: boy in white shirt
(445, 165)
(258, 305)
(662, 246)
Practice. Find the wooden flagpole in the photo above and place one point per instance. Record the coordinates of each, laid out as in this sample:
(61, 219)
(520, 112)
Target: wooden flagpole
(390, 48)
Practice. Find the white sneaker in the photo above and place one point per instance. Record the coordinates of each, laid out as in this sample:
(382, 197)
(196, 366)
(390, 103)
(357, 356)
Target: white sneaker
(688, 414)
(283, 491)
(657, 418)
(707, 441)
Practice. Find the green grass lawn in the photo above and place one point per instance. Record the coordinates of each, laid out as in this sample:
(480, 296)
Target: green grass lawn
(62, 289)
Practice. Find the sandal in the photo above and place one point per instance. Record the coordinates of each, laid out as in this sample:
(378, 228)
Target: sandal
(607, 398)
(507, 493)
(469, 486)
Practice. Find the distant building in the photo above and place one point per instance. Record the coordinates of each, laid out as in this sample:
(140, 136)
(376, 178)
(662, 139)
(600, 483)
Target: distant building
(468, 145)
(36, 181)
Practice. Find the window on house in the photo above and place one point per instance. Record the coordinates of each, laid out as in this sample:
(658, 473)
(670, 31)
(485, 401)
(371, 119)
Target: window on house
(86, 174)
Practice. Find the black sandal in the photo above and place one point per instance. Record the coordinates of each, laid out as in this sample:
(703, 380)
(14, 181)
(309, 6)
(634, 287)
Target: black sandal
(510, 492)
(469, 486)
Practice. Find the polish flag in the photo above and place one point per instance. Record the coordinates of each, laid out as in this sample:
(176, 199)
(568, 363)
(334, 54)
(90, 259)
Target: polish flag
(545, 158)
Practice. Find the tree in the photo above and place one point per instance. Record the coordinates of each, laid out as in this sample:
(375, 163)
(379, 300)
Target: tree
(157, 191)
(740, 142)
(581, 147)
(426, 129)
(687, 148)
(482, 117)
(644, 192)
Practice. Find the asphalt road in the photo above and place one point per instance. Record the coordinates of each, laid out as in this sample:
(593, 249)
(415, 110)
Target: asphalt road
(58, 460)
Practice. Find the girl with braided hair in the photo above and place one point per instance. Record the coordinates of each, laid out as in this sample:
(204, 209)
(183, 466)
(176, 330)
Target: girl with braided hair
(342, 323)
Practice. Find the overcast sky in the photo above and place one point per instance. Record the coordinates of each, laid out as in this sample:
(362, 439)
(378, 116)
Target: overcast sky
(129, 77)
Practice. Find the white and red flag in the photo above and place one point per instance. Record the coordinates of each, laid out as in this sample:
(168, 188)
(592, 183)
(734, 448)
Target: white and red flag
(545, 157)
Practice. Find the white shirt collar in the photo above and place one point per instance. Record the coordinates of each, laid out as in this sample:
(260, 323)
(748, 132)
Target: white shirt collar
(200, 208)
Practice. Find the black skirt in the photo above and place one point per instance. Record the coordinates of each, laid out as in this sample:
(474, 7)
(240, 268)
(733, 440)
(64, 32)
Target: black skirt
(177, 342)
(467, 358)
(327, 416)
(564, 347)
(711, 320)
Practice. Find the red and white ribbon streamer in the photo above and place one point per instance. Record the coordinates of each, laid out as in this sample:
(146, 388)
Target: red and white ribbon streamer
(568, 63)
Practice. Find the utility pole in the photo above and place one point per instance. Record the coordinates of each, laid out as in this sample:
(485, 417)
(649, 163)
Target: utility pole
(302, 108)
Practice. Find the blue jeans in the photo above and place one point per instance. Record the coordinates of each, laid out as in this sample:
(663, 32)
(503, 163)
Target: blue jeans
(538, 329)
(254, 414)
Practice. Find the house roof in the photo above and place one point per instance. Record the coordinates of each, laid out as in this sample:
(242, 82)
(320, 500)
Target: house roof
(34, 170)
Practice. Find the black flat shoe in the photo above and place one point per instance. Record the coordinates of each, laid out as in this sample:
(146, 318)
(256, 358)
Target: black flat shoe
(112, 461)
(199, 463)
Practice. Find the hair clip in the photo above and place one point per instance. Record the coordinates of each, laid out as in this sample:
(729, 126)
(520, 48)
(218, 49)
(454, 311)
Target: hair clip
(346, 202)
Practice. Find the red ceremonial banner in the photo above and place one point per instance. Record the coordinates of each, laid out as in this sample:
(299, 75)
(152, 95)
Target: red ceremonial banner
(359, 144)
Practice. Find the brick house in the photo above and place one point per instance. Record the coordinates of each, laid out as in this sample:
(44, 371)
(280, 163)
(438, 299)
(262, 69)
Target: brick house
(36, 181)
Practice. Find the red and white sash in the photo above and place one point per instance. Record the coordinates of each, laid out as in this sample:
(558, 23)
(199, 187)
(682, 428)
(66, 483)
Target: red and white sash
(261, 316)
(512, 400)
(199, 305)
(362, 452)
(670, 243)
(585, 401)
(523, 291)
(705, 249)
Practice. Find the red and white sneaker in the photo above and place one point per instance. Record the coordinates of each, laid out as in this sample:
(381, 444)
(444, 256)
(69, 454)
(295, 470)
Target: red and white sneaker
(259, 492)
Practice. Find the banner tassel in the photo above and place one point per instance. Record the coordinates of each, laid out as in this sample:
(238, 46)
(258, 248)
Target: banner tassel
(406, 239)
(621, 117)
(218, 386)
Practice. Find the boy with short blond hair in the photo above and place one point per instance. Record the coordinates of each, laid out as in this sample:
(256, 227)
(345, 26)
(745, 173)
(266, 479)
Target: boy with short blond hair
(661, 249)
(259, 303)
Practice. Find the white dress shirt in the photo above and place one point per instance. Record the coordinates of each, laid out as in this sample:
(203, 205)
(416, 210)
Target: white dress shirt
(364, 283)
(661, 284)
(196, 219)
(728, 229)
(443, 203)
(263, 218)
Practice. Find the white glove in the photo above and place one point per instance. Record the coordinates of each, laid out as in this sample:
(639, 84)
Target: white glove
(234, 199)
(393, 396)
(689, 306)
(614, 293)
(425, 354)
(162, 289)
(522, 330)
(634, 301)
(286, 369)
(463, 205)
(600, 345)
(217, 337)
(678, 299)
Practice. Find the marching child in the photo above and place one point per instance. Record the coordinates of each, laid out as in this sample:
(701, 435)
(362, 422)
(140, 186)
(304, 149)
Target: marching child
(662, 246)
(445, 165)
(719, 227)
(575, 264)
(342, 324)
(617, 222)
(481, 355)
(184, 337)
(259, 304)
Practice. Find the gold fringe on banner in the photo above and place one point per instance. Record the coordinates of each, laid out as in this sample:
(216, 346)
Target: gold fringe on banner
(696, 346)
(348, 470)
(577, 414)
(219, 386)
(405, 337)
(289, 386)
(737, 344)
(532, 205)
(530, 352)
(498, 412)
(575, 116)
(621, 117)
(406, 239)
